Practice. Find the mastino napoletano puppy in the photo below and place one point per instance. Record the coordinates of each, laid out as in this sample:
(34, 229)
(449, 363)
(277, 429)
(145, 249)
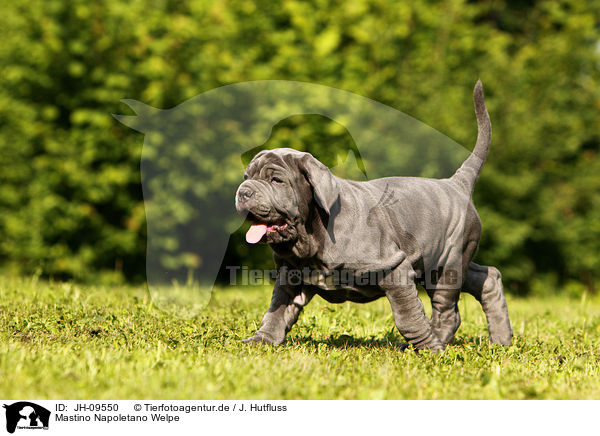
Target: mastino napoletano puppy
(358, 241)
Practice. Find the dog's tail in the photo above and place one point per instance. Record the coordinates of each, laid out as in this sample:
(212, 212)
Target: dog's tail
(469, 171)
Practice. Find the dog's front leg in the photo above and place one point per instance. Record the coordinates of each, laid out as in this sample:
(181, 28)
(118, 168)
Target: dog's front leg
(286, 304)
(409, 315)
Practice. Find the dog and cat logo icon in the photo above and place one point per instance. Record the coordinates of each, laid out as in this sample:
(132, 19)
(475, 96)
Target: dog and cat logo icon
(26, 415)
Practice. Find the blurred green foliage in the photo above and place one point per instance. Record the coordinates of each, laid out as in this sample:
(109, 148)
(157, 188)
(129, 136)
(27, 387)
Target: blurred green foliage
(70, 195)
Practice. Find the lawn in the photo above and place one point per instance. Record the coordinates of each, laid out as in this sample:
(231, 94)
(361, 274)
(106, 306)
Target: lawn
(67, 341)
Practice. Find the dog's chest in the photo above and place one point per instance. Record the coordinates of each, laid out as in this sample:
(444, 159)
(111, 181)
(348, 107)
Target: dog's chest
(321, 280)
(337, 287)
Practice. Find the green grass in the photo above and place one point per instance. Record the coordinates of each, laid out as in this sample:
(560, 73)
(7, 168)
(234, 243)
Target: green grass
(65, 341)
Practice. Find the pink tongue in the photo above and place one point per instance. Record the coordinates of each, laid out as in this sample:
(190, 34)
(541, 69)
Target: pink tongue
(255, 233)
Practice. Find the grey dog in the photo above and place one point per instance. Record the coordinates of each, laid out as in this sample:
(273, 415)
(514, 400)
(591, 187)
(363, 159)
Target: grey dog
(392, 230)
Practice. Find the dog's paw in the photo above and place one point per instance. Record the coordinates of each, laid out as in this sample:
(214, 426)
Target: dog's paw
(504, 340)
(259, 338)
(434, 350)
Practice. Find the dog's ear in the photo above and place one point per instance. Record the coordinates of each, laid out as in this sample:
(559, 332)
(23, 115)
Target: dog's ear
(323, 183)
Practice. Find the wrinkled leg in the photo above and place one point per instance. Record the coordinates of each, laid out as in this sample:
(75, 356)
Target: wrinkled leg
(485, 284)
(409, 315)
(286, 304)
(445, 318)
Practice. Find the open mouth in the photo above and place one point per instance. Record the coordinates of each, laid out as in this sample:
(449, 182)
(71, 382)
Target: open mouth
(259, 229)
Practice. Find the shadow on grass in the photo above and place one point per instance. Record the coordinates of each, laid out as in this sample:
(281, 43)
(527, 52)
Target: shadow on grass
(387, 342)
(347, 341)
(470, 341)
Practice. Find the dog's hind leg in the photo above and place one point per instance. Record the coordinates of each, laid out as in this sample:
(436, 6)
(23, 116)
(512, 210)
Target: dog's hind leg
(485, 284)
(286, 304)
(445, 318)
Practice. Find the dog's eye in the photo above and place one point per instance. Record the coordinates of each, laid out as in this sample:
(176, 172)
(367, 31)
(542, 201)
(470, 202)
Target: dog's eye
(276, 180)
(245, 176)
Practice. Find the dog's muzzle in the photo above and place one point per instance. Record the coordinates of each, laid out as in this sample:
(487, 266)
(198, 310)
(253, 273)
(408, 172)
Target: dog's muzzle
(266, 224)
(248, 200)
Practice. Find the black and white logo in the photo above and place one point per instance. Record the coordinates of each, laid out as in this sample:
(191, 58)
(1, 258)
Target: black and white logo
(26, 415)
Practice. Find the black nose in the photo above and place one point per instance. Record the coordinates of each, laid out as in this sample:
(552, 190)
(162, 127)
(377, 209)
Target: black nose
(245, 193)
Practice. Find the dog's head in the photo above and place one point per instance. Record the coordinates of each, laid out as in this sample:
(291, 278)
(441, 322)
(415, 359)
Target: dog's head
(285, 195)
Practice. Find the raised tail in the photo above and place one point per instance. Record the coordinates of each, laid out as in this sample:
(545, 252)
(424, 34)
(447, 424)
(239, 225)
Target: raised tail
(469, 171)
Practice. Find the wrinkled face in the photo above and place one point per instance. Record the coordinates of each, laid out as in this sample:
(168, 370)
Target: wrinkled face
(271, 197)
